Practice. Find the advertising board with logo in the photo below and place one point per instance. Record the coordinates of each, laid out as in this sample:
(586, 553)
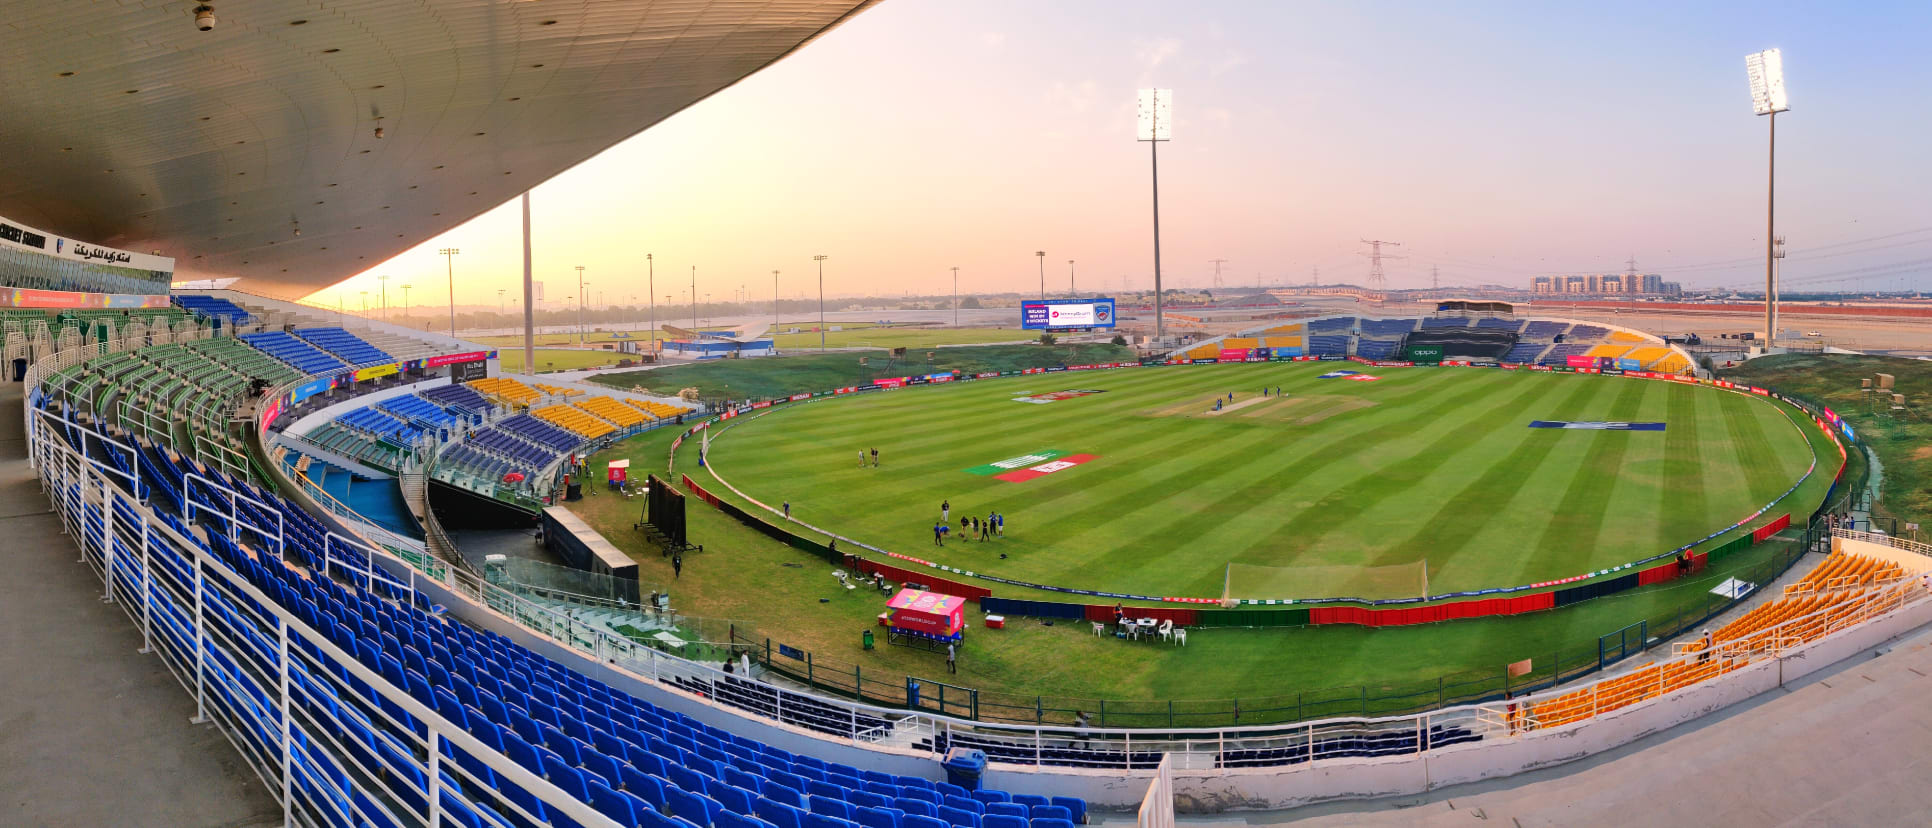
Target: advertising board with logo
(1067, 313)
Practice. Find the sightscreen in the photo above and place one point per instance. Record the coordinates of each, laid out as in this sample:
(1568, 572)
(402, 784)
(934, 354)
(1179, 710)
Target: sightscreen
(664, 509)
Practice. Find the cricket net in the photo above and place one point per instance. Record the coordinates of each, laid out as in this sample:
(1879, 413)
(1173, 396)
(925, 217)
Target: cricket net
(1250, 581)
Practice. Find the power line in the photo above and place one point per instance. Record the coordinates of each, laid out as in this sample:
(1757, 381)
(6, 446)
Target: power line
(1377, 280)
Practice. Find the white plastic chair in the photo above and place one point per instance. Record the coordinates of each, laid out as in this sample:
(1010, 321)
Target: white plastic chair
(1167, 629)
(1180, 636)
(1097, 627)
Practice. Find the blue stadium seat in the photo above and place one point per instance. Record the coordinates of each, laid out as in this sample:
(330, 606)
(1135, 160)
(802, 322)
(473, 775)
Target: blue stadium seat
(778, 814)
(1003, 820)
(876, 817)
(959, 817)
(828, 806)
(916, 821)
(823, 821)
(615, 804)
(727, 819)
(916, 806)
(1013, 809)
(1074, 805)
(1052, 812)
(1051, 823)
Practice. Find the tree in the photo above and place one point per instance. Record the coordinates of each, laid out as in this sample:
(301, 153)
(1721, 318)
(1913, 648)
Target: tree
(1120, 340)
(970, 303)
(1047, 339)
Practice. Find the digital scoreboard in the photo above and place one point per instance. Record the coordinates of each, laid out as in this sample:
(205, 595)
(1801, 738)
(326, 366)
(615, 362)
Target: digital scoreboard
(1048, 314)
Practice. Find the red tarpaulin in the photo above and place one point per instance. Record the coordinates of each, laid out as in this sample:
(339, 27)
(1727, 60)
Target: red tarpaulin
(933, 613)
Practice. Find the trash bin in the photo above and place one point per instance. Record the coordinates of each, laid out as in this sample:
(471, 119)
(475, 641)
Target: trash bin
(912, 693)
(964, 766)
(866, 639)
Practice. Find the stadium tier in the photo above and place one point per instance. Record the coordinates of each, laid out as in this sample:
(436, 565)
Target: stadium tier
(344, 345)
(1514, 325)
(418, 410)
(1586, 333)
(459, 399)
(507, 389)
(657, 410)
(574, 419)
(627, 759)
(1333, 324)
(1606, 351)
(1327, 345)
(1544, 330)
(617, 413)
(1524, 353)
(294, 351)
(1445, 322)
(558, 390)
(1376, 348)
(214, 308)
(1387, 327)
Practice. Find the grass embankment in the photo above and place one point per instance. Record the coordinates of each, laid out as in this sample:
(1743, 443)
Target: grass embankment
(792, 598)
(559, 359)
(786, 375)
(1902, 439)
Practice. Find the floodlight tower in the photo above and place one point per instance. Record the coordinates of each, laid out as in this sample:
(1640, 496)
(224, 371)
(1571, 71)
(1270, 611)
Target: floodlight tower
(1154, 124)
(821, 301)
(1041, 255)
(1766, 71)
(449, 258)
(955, 297)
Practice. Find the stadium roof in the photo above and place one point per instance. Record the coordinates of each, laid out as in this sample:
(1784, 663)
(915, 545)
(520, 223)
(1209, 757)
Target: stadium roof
(125, 125)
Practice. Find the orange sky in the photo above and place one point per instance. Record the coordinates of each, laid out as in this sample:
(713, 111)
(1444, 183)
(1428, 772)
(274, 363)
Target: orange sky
(1495, 143)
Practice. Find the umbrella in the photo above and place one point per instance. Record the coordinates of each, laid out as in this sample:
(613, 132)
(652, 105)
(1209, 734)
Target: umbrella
(513, 477)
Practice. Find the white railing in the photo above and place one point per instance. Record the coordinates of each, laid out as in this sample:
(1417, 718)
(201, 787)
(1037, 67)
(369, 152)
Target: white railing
(1882, 539)
(1157, 807)
(284, 695)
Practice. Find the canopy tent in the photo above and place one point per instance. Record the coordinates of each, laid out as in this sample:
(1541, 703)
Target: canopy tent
(925, 613)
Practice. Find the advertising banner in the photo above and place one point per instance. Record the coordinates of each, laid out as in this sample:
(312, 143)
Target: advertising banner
(463, 372)
(1234, 354)
(890, 382)
(1067, 313)
(1629, 364)
(375, 371)
(1580, 361)
(452, 359)
(310, 389)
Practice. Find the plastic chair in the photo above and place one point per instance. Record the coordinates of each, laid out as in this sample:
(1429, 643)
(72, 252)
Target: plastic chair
(876, 818)
(1180, 637)
(1167, 629)
(1052, 812)
(778, 814)
(1074, 805)
(1098, 628)
(959, 817)
(987, 796)
(1004, 820)
(1012, 809)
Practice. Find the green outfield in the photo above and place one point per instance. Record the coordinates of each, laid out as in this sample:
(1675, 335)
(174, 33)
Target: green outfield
(1339, 488)
(1549, 500)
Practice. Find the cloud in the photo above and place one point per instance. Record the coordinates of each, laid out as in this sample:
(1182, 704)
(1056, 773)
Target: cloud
(1152, 53)
(1228, 63)
(1075, 97)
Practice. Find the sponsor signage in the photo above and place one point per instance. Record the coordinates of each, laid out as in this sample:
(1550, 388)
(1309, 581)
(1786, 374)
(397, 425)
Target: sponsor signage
(890, 382)
(1336, 374)
(797, 397)
(1055, 396)
(1019, 462)
(1597, 426)
(1044, 469)
(452, 359)
(1067, 313)
(15, 234)
(1234, 354)
(54, 299)
(1362, 378)
(310, 389)
(463, 372)
(375, 371)
(1579, 361)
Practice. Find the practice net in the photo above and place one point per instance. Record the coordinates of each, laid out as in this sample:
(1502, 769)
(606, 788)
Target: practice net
(1250, 581)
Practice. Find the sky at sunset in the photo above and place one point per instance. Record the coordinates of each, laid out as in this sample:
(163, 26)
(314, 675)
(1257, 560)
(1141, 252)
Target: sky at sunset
(1495, 141)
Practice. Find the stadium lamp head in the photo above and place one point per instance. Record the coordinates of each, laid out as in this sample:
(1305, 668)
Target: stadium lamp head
(1766, 70)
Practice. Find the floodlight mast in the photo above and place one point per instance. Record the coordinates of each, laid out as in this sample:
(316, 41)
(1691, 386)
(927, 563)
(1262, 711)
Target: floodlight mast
(1154, 125)
(1766, 71)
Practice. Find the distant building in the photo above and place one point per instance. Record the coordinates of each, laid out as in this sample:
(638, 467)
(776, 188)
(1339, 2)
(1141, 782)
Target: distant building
(1605, 284)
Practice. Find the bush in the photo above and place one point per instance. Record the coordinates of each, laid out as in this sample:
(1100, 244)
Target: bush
(1119, 340)
(1047, 339)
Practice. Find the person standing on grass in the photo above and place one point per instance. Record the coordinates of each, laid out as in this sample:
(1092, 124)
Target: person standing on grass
(999, 524)
(945, 510)
(939, 534)
(788, 510)
(875, 458)
(952, 656)
(990, 524)
(677, 565)
(861, 458)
